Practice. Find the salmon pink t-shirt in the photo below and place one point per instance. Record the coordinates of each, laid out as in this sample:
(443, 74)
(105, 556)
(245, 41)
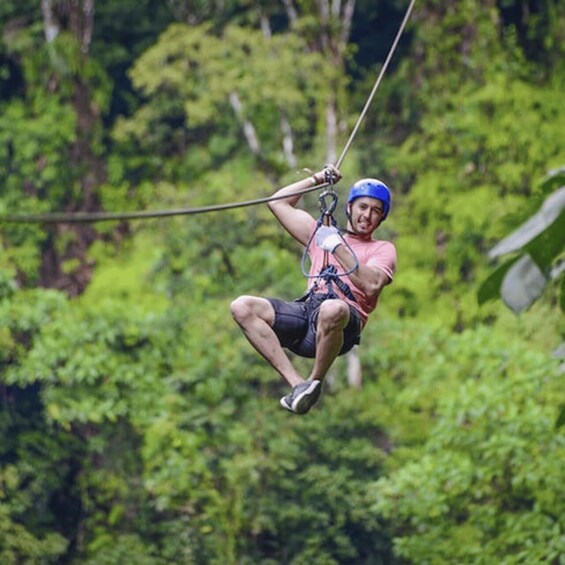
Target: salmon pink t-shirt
(375, 253)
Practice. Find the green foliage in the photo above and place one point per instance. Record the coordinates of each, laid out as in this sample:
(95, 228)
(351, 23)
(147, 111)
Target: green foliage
(34, 162)
(482, 487)
(17, 545)
(48, 139)
(540, 243)
(190, 75)
(475, 164)
(35, 464)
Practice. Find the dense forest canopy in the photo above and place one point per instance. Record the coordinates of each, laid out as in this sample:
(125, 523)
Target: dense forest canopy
(136, 424)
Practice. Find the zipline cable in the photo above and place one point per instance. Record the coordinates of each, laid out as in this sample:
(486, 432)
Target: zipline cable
(91, 217)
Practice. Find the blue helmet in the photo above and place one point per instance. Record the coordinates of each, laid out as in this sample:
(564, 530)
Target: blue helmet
(373, 188)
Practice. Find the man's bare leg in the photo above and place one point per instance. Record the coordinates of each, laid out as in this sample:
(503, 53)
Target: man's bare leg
(333, 317)
(332, 320)
(256, 316)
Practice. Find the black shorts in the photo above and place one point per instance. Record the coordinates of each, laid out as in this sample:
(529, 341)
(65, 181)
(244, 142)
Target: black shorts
(295, 325)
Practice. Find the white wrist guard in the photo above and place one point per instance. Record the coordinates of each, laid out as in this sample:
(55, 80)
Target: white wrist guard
(332, 242)
(328, 238)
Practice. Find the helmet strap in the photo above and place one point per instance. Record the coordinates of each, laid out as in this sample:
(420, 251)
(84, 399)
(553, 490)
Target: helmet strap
(348, 215)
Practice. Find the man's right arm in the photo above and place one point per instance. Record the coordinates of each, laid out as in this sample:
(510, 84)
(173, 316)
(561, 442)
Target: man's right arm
(297, 222)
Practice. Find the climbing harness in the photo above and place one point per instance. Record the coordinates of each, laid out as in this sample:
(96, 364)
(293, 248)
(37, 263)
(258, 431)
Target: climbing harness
(91, 217)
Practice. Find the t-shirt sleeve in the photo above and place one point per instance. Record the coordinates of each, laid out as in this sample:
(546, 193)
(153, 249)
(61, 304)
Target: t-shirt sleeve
(384, 259)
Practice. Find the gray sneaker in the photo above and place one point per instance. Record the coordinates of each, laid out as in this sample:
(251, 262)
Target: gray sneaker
(302, 397)
(286, 402)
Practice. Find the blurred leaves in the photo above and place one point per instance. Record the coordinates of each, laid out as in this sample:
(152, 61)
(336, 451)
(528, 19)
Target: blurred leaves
(489, 468)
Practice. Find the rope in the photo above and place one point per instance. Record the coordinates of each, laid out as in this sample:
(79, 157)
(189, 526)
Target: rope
(377, 84)
(91, 217)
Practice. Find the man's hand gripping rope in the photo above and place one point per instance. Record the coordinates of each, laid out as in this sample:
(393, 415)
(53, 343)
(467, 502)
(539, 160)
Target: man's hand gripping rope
(328, 175)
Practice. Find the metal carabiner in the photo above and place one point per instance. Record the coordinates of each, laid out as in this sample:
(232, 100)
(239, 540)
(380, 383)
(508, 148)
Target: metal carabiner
(324, 208)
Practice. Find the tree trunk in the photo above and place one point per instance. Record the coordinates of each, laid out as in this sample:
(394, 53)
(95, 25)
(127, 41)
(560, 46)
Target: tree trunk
(288, 142)
(77, 17)
(248, 127)
(331, 130)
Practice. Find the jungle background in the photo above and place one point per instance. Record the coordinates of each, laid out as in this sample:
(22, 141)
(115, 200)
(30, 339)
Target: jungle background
(136, 423)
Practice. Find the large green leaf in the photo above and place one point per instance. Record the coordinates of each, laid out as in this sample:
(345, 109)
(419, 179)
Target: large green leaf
(522, 284)
(490, 288)
(522, 280)
(549, 245)
(554, 179)
(550, 211)
(526, 280)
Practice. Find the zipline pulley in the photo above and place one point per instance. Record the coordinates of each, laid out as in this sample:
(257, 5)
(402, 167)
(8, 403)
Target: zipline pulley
(328, 199)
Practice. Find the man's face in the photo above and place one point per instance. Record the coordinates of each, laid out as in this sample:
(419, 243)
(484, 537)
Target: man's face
(366, 214)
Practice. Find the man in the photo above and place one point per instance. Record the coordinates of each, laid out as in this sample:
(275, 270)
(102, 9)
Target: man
(329, 321)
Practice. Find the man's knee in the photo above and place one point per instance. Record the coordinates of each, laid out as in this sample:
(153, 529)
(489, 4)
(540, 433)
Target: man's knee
(240, 308)
(334, 314)
(246, 307)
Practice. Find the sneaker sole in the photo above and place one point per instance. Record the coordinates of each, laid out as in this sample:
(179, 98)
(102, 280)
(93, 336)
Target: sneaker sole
(285, 405)
(307, 398)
